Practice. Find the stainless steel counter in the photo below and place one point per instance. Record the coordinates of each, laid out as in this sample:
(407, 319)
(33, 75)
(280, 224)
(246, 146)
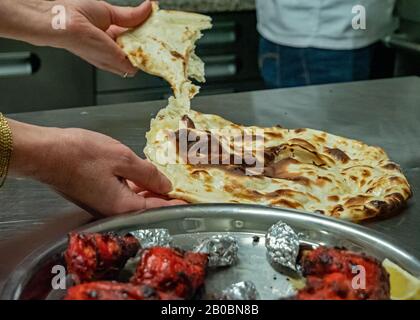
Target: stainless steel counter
(384, 113)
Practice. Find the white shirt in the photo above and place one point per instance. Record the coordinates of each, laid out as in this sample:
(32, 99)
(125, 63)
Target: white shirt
(325, 24)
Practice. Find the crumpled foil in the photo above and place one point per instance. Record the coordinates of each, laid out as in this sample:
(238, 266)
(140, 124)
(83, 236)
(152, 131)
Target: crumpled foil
(244, 290)
(153, 237)
(282, 244)
(221, 249)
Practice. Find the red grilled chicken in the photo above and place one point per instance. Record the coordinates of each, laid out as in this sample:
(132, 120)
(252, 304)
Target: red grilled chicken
(111, 290)
(95, 256)
(330, 275)
(171, 271)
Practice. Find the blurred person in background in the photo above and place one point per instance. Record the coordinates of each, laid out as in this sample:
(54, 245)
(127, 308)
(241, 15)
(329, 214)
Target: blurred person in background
(308, 42)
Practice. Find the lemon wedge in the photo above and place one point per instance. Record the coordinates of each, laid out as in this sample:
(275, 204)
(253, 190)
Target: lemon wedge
(297, 284)
(404, 286)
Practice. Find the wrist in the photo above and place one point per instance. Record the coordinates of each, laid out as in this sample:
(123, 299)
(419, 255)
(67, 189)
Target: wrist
(6, 146)
(33, 150)
(29, 21)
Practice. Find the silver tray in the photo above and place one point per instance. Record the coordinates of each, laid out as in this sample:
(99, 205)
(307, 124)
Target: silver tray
(188, 224)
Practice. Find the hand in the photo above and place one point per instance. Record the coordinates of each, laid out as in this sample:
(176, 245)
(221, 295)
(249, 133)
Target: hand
(93, 27)
(92, 170)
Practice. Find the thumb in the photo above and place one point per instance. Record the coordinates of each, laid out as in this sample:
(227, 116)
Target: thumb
(144, 174)
(130, 17)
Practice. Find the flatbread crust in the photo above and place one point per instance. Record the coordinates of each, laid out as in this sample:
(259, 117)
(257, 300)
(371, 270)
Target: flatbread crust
(314, 171)
(164, 46)
(304, 169)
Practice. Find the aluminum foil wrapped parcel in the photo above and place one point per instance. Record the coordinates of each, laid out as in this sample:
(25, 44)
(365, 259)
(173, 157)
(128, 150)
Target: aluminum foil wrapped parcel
(153, 237)
(244, 290)
(282, 244)
(222, 250)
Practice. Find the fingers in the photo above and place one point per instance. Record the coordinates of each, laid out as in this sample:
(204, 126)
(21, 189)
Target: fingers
(150, 178)
(147, 194)
(145, 175)
(110, 58)
(118, 62)
(114, 31)
(177, 202)
(131, 202)
(157, 203)
(135, 188)
(130, 17)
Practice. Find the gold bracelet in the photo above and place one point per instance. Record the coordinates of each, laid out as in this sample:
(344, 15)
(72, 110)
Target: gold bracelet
(6, 147)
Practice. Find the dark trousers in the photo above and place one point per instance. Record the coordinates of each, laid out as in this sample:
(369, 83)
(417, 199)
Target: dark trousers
(283, 66)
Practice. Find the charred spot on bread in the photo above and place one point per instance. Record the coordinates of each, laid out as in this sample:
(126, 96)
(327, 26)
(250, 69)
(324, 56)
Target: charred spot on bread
(337, 154)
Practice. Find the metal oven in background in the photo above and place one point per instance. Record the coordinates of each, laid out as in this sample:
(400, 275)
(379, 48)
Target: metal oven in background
(42, 78)
(406, 41)
(230, 53)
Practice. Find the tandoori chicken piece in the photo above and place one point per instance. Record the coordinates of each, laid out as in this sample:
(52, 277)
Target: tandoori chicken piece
(111, 290)
(172, 271)
(331, 275)
(95, 256)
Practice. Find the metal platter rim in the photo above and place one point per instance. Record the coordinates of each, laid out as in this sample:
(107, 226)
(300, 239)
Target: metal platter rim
(15, 283)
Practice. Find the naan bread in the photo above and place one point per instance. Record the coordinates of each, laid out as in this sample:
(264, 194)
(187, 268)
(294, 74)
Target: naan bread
(305, 169)
(164, 46)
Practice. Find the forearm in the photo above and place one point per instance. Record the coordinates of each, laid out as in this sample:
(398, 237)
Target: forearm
(92, 170)
(27, 20)
(33, 150)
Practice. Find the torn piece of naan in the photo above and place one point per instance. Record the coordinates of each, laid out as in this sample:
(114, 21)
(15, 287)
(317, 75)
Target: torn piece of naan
(164, 46)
